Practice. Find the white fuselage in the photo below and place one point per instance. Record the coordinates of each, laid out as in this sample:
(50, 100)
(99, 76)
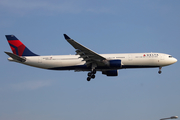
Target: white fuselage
(74, 62)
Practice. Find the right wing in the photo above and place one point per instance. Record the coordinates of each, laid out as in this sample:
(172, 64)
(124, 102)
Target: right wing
(88, 55)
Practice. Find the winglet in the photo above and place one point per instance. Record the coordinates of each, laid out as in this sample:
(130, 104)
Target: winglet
(66, 37)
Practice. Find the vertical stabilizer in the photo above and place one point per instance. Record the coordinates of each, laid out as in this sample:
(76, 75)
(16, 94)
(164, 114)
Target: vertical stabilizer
(17, 47)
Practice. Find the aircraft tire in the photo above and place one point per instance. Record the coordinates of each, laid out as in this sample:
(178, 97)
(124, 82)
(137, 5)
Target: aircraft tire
(88, 78)
(89, 74)
(93, 76)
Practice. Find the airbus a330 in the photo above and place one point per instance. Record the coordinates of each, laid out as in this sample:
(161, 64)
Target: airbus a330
(86, 59)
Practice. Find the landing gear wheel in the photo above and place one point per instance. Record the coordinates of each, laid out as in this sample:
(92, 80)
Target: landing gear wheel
(88, 78)
(160, 70)
(89, 74)
(93, 76)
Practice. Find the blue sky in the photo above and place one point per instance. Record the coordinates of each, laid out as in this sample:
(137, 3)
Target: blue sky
(111, 26)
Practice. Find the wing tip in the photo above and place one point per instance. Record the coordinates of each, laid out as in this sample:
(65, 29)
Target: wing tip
(66, 37)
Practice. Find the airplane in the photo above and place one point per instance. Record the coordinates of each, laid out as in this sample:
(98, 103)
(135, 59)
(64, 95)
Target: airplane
(86, 59)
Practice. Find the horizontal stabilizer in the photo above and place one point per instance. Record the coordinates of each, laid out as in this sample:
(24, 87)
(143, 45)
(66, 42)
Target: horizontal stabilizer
(16, 57)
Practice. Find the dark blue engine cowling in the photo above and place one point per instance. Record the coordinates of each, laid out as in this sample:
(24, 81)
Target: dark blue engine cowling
(110, 73)
(115, 63)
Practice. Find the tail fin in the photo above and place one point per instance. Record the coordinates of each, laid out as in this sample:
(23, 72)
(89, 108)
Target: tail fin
(17, 47)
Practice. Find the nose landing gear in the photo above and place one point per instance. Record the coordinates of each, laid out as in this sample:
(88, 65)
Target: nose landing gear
(160, 70)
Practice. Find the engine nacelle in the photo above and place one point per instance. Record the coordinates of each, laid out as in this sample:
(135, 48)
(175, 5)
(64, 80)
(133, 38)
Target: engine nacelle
(110, 73)
(114, 63)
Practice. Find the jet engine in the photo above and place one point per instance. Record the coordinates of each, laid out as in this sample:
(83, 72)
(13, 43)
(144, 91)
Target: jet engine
(110, 73)
(114, 63)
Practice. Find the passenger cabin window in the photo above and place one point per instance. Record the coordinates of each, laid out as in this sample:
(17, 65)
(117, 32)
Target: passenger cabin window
(170, 56)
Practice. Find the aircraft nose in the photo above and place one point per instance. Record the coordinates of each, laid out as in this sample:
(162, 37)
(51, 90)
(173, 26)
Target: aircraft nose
(172, 61)
(175, 60)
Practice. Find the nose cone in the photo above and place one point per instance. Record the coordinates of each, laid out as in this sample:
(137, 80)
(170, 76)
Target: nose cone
(171, 60)
(175, 60)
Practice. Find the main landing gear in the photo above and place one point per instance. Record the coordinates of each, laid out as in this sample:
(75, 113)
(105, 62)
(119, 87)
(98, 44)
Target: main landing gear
(91, 75)
(160, 70)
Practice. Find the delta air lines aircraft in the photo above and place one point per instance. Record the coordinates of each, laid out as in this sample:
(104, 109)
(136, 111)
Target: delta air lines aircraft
(86, 59)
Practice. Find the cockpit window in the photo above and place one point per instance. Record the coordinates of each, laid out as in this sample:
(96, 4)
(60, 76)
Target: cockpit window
(170, 56)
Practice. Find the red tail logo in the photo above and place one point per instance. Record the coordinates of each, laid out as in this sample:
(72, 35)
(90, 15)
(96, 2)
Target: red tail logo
(18, 47)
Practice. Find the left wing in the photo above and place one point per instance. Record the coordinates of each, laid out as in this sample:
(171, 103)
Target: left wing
(88, 55)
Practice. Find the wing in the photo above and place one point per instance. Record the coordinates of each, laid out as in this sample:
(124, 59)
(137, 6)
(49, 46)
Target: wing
(88, 55)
